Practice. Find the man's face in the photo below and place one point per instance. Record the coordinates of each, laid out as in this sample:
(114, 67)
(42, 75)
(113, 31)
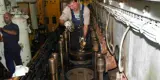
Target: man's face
(7, 18)
(74, 6)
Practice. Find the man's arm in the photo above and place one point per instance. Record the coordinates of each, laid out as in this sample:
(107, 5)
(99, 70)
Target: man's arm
(86, 21)
(64, 16)
(85, 30)
(11, 32)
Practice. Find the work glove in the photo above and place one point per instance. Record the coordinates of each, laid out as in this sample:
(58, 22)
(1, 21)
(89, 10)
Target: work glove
(20, 71)
(82, 42)
(69, 26)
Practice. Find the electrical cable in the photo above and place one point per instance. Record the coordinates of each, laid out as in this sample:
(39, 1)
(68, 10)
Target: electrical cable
(120, 50)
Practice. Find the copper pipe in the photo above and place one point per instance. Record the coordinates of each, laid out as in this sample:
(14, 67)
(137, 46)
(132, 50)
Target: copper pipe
(100, 77)
(55, 56)
(100, 68)
(66, 37)
(99, 55)
(95, 65)
(52, 68)
(93, 34)
(61, 54)
(95, 49)
(95, 46)
(69, 39)
(66, 46)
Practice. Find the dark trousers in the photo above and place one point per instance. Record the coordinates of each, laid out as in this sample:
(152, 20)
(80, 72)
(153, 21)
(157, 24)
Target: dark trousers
(12, 56)
(75, 38)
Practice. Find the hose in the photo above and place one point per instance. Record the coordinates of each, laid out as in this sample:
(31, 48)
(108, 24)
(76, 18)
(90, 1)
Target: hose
(120, 51)
(108, 45)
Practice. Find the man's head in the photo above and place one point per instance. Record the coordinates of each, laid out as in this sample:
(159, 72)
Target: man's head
(7, 18)
(74, 5)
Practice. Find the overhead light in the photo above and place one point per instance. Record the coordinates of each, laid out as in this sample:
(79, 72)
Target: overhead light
(121, 5)
(110, 2)
(146, 11)
(104, 1)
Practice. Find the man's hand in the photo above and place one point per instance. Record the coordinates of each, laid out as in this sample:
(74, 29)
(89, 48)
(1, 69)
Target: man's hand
(69, 25)
(82, 42)
(11, 32)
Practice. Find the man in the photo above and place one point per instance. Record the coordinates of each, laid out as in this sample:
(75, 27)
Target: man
(11, 47)
(79, 15)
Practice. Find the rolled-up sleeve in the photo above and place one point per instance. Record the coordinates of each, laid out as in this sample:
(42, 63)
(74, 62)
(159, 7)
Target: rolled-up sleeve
(65, 14)
(86, 16)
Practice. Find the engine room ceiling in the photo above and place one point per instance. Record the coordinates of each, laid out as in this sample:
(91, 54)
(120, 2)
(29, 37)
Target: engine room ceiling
(25, 0)
(154, 0)
(146, 0)
(134, 0)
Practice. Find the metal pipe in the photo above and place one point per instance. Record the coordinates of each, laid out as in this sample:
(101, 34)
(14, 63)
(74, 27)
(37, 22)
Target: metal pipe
(95, 49)
(66, 46)
(33, 13)
(52, 68)
(99, 55)
(69, 40)
(95, 66)
(55, 56)
(66, 41)
(108, 43)
(95, 46)
(100, 68)
(2, 9)
(101, 76)
(61, 54)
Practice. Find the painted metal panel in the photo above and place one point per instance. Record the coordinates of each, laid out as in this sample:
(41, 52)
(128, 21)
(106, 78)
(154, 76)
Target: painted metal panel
(33, 14)
(2, 11)
(24, 38)
(142, 65)
(141, 55)
(142, 62)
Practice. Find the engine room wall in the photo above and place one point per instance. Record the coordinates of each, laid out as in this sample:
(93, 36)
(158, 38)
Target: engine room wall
(118, 30)
(142, 59)
(23, 38)
(2, 11)
(140, 56)
(2, 23)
